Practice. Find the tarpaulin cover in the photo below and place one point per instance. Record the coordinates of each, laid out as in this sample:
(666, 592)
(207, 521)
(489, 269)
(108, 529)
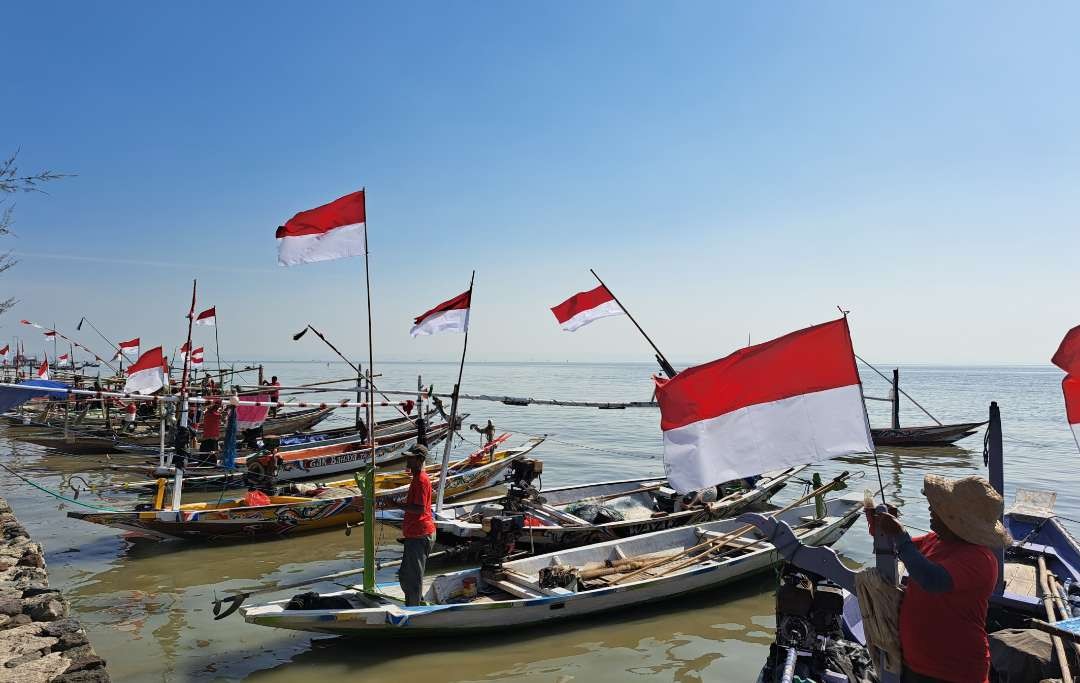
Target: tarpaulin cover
(13, 397)
(249, 417)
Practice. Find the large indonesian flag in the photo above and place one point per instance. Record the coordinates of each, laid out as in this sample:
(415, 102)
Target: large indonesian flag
(1067, 358)
(145, 375)
(207, 317)
(331, 231)
(43, 369)
(789, 401)
(449, 316)
(585, 307)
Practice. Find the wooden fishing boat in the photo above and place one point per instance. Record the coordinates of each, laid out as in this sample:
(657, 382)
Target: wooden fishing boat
(308, 462)
(929, 435)
(573, 516)
(559, 586)
(327, 507)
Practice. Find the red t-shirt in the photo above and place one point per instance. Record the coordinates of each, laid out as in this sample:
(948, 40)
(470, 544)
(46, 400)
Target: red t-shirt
(211, 425)
(943, 635)
(419, 524)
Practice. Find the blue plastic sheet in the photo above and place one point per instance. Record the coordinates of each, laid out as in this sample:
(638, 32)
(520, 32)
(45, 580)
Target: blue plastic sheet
(228, 460)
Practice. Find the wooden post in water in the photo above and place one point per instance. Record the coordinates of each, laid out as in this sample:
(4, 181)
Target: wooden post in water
(895, 396)
(995, 463)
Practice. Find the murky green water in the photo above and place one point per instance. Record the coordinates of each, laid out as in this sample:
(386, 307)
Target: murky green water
(147, 605)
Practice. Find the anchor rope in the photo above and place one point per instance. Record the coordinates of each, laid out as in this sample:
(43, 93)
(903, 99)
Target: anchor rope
(54, 494)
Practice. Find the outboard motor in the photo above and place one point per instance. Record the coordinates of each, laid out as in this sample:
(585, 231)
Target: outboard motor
(810, 633)
(502, 533)
(521, 475)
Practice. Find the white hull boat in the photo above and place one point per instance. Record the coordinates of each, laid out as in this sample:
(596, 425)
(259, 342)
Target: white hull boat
(516, 594)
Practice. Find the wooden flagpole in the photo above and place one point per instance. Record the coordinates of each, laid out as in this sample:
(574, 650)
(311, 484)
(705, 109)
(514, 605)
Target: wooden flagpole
(454, 406)
(182, 404)
(369, 474)
(664, 364)
(217, 351)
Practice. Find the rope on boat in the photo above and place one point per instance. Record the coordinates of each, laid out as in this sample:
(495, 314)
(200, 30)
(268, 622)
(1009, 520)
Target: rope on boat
(54, 494)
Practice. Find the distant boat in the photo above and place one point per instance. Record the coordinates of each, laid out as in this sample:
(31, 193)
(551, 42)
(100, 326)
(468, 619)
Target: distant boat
(926, 435)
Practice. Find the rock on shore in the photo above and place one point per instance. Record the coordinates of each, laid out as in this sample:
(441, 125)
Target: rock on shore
(38, 640)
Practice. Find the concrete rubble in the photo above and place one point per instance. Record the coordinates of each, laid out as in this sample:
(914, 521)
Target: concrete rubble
(38, 640)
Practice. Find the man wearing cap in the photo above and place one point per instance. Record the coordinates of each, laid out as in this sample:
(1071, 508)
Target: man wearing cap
(418, 527)
(952, 572)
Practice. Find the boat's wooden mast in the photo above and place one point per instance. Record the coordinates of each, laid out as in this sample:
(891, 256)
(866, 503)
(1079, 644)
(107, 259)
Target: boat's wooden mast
(369, 474)
(454, 406)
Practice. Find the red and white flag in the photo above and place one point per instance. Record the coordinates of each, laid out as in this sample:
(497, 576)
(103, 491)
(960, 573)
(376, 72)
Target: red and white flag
(207, 317)
(145, 375)
(585, 307)
(449, 316)
(50, 333)
(43, 369)
(328, 232)
(63, 359)
(5, 352)
(789, 401)
(197, 358)
(1067, 358)
(128, 348)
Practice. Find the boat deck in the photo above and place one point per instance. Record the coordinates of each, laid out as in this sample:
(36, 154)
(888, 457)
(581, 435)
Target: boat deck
(1020, 579)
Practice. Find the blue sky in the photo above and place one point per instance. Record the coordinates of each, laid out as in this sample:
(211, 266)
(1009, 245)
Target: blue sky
(731, 169)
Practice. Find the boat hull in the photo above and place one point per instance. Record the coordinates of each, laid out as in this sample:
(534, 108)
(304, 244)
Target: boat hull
(933, 435)
(392, 620)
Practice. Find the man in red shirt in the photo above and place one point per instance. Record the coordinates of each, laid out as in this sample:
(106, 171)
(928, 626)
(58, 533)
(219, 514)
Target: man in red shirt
(211, 429)
(952, 573)
(418, 529)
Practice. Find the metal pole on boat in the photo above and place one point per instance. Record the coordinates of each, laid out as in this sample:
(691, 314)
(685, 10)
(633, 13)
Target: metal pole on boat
(453, 408)
(660, 358)
(359, 396)
(369, 474)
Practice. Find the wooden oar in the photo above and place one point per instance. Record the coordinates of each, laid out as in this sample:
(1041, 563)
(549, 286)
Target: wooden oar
(1062, 604)
(717, 543)
(233, 602)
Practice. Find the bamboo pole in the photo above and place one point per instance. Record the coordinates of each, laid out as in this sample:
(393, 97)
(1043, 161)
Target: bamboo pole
(1048, 605)
(1062, 605)
(454, 406)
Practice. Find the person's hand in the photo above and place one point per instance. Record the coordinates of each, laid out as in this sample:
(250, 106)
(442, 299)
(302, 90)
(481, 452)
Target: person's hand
(888, 523)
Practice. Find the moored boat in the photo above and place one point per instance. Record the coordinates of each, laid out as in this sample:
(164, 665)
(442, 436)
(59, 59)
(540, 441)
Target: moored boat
(326, 507)
(559, 586)
(578, 515)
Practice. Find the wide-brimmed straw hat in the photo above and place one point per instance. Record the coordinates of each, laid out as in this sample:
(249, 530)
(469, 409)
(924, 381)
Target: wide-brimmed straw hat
(970, 507)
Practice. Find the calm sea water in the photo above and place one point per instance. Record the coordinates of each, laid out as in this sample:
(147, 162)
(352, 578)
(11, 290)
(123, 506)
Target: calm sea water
(147, 605)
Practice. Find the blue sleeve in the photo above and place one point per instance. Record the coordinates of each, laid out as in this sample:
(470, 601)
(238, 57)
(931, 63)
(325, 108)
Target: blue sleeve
(932, 577)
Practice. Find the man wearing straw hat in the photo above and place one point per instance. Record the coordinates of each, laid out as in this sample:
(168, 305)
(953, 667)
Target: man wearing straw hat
(953, 570)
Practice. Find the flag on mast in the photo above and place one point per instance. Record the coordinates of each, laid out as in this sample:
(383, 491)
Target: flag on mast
(5, 352)
(43, 369)
(790, 401)
(1067, 358)
(585, 307)
(449, 316)
(197, 358)
(63, 359)
(207, 317)
(128, 348)
(145, 376)
(327, 232)
(50, 333)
